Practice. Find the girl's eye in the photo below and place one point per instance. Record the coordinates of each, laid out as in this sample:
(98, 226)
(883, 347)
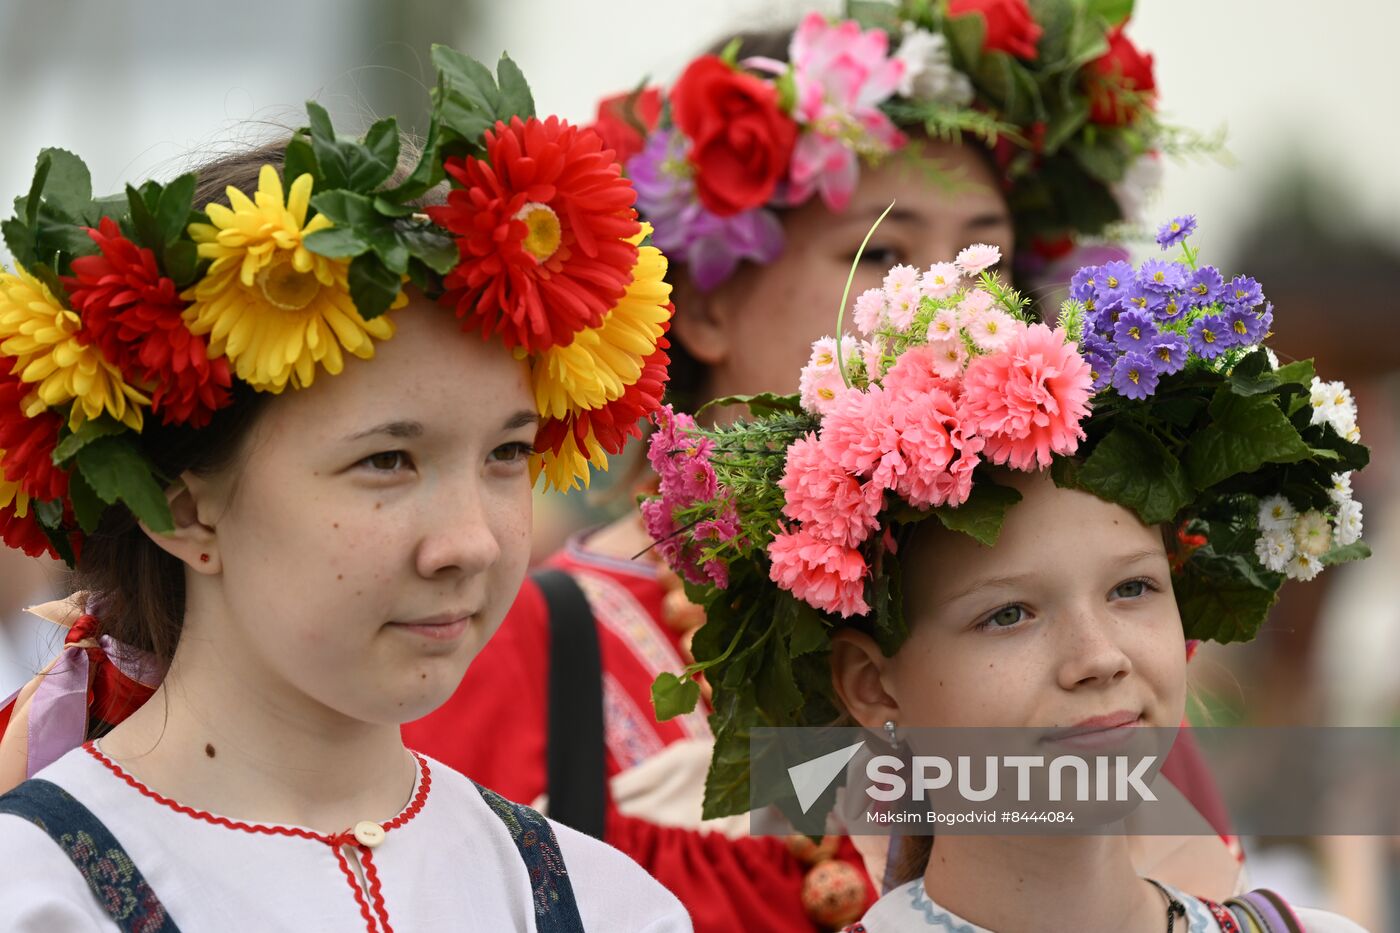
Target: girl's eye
(1005, 617)
(1132, 589)
(882, 256)
(513, 453)
(387, 461)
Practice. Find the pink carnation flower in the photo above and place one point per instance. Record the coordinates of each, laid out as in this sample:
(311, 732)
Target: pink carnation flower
(841, 74)
(931, 440)
(870, 311)
(859, 434)
(831, 504)
(825, 576)
(992, 329)
(977, 257)
(1027, 400)
(941, 280)
(918, 371)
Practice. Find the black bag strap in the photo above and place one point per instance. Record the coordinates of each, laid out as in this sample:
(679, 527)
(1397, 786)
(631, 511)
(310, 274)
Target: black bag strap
(120, 888)
(556, 910)
(576, 769)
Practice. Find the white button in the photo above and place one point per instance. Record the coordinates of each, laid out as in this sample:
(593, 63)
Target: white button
(368, 833)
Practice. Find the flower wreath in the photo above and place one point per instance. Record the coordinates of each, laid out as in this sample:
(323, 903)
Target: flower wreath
(143, 306)
(1057, 90)
(1153, 391)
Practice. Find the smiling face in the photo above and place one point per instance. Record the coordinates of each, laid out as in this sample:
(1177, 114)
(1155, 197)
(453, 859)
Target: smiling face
(1070, 617)
(755, 331)
(376, 526)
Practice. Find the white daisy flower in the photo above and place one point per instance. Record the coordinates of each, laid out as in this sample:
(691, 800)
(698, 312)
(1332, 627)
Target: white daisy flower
(1312, 533)
(1303, 567)
(1274, 550)
(1348, 528)
(1276, 514)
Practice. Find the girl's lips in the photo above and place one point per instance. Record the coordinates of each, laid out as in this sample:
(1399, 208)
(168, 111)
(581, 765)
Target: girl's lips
(1098, 731)
(437, 631)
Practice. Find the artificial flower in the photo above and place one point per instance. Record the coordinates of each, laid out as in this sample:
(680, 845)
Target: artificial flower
(1276, 513)
(940, 281)
(1348, 525)
(44, 340)
(977, 257)
(133, 314)
(544, 226)
(27, 441)
(1175, 230)
(1008, 25)
(827, 576)
(929, 73)
(1312, 533)
(1274, 549)
(1209, 337)
(829, 502)
(1135, 330)
(869, 312)
(741, 141)
(275, 309)
(1120, 81)
(1135, 375)
(19, 526)
(623, 119)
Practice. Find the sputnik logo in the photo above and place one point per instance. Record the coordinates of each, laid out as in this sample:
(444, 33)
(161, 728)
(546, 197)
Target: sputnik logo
(811, 778)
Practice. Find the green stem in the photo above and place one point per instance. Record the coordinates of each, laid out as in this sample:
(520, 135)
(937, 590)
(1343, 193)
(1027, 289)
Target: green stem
(846, 293)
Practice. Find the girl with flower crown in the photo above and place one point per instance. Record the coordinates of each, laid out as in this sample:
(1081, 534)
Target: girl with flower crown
(762, 169)
(297, 492)
(992, 523)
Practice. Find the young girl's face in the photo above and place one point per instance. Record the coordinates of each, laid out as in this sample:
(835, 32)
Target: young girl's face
(376, 528)
(1069, 617)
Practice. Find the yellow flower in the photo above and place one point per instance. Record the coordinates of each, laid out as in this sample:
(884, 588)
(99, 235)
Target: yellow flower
(601, 362)
(11, 493)
(41, 336)
(268, 303)
(568, 469)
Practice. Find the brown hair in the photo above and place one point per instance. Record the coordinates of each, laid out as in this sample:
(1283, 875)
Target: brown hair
(134, 587)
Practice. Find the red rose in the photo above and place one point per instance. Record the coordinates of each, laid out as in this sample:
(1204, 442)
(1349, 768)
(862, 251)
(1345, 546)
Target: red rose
(618, 119)
(741, 142)
(1010, 26)
(1121, 68)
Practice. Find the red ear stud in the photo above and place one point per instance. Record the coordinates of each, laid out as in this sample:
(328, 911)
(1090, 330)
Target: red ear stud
(204, 558)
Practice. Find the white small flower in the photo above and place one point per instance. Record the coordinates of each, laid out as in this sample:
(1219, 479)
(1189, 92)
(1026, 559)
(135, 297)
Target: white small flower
(941, 280)
(929, 74)
(948, 357)
(1276, 514)
(974, 303)
(992, 330)
(944, 325)
(1273, 358)
(1341, 488)
(1312, 533)
(1348, 529)
(1303, 567)
(1274, 549)
(1332, 403)
(973, 259)
(901, 280)
(870, 311)
(903, 309)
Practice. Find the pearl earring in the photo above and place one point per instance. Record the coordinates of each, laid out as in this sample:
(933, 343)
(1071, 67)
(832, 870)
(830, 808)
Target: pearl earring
(890, 735)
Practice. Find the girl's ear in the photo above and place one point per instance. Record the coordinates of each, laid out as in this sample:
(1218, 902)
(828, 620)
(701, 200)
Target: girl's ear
(859, 673)
(194, 540)
(701, 322)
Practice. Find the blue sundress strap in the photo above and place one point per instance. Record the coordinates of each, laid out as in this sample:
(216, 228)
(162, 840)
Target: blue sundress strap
(556, 911)
(120, 888)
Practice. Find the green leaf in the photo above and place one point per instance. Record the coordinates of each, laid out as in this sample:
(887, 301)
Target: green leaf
(966, 33)
(173, 209)
(1066, 125)
(466, 94)
(516, 99)
(1133, 468)
(1358, 550)
(981, 515)
(19, 240)
(87, 432)
(87, 505)
(1219, 606)
(774, 684)
(1112, 11)
(36, 188)
(346, 208)
(808, 631)
(119, 472)
(373, 285)
(181, 261)
(336, 243)
(760, 405)
(428, 172)
(144, 229)
(891, 628)
(49, 512)
(392, 210)
(346, 163)
(730, 53)
(68, 185)
(381, 147)
(429, 243)
(672, 696)
(727, 782)
(299, 159)
(1245, 433)
(1101, 160)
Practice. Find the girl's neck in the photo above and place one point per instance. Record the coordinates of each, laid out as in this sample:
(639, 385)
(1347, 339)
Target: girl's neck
(1013, 884)
(226, 735)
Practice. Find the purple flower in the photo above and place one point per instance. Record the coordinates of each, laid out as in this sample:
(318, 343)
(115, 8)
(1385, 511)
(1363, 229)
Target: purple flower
(1144, 299)
(711, 246)
(1112, 284)
(1135, 376)
(1101, 324)
(1205, 286)
(1266, 319)
(1162, 277)
(1243, 292)
(1100, 370)
(1135, 331)
(1176, 230)
(1210, 337)
(1169, 353)
(1171, 307)
(1082, 286)
(1245, 325)
(1096, 343)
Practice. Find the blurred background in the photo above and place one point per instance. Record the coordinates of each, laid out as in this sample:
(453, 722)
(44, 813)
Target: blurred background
(1306, 199)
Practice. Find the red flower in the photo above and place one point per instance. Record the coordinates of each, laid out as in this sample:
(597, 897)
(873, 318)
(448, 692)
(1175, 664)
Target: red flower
(1010, 28)
(24, 534)
(542, 229)
(27, 444)
(132, 313)
(741, 142)
(619, 117)
(619, 419)
(1053, 247)
(1120, 82)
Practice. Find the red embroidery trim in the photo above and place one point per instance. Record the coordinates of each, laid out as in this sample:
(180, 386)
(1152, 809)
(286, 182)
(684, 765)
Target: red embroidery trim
(336, 842)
